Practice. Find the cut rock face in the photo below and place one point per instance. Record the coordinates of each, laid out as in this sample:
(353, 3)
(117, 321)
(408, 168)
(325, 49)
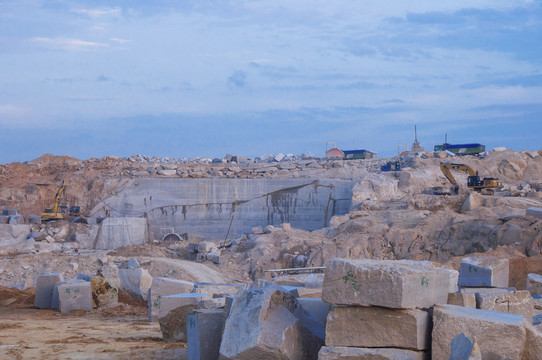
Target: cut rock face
(262, 325)
(352, 353)
(378, 327)
(385, 283)
(478, 271)
(44, 290)
(172, 315)
(164, 287)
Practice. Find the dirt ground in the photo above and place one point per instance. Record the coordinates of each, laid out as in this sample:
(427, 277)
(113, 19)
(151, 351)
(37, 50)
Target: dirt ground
(117, 333)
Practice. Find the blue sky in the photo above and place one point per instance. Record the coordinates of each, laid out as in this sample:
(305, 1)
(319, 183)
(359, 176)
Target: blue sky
(206, 78)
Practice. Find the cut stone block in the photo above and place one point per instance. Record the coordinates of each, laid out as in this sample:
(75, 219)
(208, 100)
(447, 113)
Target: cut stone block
(504, 300)
(172, 314)
(74, 295)
(45, 285)
(384, 283)
(352, 353)
(262, 325)
(465, 349)
(462, 299)
(356, 326)
(499, 335)
(164, 287)
(135, 283)
(534, 284)
(533, 343)
(210, 290)
(480, 271)
(204, 334)
(207, 247)
(533, 211)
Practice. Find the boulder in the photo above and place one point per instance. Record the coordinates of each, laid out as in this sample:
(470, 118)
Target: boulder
(499, 335)
(352, 353)
(135, 283)
(386, 283)
(534, 284)
(479, 271)
(357, 326)
(45, 285)
(204, 333)
(207, 247)
(262, 325)
(161, 287)
(172, 314)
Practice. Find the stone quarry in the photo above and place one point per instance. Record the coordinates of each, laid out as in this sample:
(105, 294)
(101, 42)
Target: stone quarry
(277, 257)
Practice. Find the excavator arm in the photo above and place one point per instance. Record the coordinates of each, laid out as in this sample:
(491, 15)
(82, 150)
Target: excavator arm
(58, 195)
(473, 181)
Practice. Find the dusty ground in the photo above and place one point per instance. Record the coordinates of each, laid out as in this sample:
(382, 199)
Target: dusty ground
(117, 333)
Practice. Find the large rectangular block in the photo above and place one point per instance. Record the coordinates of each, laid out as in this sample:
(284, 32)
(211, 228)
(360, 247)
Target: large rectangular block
(499, 335)
(504, 300)
(45, 285)
(204, 328)
(462, 299)
(534, 284)
(161, 287)
(74, 295)
(172, 314)
(483, 271)
(533, 211)
(352, 353)
(384, 283)
(357, 326)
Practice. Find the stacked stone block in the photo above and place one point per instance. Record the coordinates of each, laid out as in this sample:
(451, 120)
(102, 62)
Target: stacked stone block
(378, 308)
(165, 287)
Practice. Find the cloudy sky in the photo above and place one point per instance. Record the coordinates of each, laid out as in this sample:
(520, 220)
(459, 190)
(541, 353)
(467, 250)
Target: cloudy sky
(208, 77)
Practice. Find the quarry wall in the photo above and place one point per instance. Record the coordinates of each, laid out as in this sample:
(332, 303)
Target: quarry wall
(213, 208)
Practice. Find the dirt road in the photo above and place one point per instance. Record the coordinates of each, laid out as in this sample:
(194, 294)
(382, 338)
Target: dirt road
(117, 333)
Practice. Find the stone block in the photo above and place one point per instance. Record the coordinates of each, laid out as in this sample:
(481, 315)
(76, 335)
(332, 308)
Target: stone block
(462, 299)
(121, 231)
(533, 211)
(352, 353)
(34, 219)
(504, 300)
(499, 335)
(533, 343)
(262, 325)
(45, 285)
(74, 295)
(161, 287)
(386, 283)
(135, 283)
(534, 284)
(207, 247)
(204, 332)
(357, 326)
(210, 290)
(480, 271)
(315, 293)
(172, 314)
(10, 212)
(214, 257)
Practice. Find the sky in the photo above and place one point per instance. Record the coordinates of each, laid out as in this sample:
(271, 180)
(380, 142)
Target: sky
(187, 79)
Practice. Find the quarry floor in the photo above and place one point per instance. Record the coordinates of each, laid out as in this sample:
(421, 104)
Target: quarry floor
(118, 333)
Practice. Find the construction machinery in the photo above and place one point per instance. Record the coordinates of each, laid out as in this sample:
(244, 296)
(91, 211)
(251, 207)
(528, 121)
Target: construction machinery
(57, 211)
(485, 186)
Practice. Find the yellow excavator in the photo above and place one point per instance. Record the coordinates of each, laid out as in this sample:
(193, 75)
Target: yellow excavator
(485, 186)
(57, 212)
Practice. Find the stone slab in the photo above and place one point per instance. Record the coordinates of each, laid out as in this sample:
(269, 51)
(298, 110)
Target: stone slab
(74, 295)
(385, 283)
(161, 287)
(204, 329)
(499, 335)
(534, 284)
(462, 299)
(480, 271)
(135, 282)
(352, 353)
(356, 326)
(45, 285)
(533, 211)
(172, 314)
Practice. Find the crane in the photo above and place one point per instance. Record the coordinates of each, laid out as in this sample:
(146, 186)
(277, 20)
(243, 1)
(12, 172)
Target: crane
(473, 181)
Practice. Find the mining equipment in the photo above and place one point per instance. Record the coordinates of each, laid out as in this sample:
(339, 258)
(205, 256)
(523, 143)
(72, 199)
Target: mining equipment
(60, 211)
(486, 186)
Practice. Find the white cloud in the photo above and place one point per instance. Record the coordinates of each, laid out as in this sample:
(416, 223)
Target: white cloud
(97, 12)
(12, 111)
(120, 41)
(68, 44)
